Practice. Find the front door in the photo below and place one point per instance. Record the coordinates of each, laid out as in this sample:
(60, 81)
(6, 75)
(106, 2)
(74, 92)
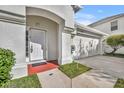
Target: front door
(37, 44)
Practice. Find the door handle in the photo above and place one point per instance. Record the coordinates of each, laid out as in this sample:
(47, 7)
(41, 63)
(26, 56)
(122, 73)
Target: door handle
(43, 48)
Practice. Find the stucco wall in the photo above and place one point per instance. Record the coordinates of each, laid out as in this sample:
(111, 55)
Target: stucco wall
(18, 9)
(66, 48)
(51, 34)
(12, 36)
(8, 39)
(63, 11)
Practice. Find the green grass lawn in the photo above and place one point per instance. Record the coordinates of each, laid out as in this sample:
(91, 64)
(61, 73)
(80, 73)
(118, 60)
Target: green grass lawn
(73, 69)
(115, 55)
(119, 83)
(24, 82)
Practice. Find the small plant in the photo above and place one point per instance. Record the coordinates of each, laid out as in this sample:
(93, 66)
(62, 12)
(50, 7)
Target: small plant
(7, 61)
(116, 42)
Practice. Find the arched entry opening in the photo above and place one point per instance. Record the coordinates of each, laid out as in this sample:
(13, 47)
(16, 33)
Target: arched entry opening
(44, 36)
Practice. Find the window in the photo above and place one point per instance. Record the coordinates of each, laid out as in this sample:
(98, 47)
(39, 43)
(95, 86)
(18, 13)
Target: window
(114, 25)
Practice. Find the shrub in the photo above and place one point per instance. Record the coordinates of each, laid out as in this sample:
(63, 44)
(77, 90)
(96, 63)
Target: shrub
(7, 61)
(116, 42)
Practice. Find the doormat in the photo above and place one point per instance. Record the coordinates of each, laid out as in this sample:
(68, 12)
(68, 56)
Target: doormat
(40, 67)
(38, 64)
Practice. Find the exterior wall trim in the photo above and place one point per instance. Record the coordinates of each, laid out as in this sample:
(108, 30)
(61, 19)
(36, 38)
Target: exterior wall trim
(68, 29)
(88, 35)
(10, 17)
(11, 13)
(12, 20)
(90, 30)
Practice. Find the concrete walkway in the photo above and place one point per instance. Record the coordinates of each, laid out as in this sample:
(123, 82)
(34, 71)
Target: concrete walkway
(92, 79)
(54, 79)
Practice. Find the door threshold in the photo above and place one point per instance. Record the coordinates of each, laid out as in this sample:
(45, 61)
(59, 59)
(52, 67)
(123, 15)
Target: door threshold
(37, 61)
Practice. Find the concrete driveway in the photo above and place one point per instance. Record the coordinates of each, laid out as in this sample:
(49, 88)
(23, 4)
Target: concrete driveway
(94, 79)
(110, 65)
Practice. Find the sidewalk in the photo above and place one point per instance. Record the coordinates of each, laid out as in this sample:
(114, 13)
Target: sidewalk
(54, 79)
(92, 79)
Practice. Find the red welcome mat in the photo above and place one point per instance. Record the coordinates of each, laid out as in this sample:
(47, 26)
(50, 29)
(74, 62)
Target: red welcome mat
(40, 67)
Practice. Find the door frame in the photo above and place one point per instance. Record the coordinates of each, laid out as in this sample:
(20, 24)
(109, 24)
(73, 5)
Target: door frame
(29, 40)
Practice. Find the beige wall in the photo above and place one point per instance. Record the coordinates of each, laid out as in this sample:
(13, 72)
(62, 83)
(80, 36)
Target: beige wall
(51, 34)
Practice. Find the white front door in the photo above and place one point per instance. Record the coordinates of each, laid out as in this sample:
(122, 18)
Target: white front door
(37, 44)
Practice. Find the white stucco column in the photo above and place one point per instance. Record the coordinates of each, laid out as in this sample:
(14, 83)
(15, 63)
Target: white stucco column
(66, 47)
(60, 30)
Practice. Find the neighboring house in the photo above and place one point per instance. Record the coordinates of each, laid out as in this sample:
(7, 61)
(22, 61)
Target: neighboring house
(38, 34)
(111, 25)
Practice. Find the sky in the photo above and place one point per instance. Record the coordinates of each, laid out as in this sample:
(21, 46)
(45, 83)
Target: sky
(92, 13)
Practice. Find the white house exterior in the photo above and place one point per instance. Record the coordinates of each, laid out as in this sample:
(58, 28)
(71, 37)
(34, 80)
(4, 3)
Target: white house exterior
(111, 25)
(42, 33)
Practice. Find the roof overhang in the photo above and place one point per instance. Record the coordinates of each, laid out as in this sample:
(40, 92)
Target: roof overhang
(88, 30)
(106, 20)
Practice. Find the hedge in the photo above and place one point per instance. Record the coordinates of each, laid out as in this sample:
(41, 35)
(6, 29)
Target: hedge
(7, 61)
